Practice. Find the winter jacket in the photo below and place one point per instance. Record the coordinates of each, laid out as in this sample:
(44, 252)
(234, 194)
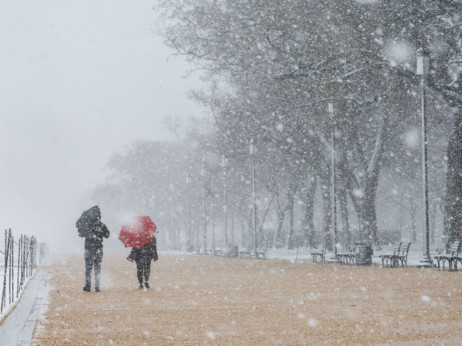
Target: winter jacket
(94, 238)
(92, 229)
(146, 253)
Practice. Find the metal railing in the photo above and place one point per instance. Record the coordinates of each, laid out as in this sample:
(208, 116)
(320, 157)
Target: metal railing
(21, 258)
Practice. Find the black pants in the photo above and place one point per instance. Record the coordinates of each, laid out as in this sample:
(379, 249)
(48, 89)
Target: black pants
(143, 269)
(93, 258)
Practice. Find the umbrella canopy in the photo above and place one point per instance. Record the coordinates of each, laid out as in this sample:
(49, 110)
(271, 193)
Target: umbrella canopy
(138, 233)
(88, 220)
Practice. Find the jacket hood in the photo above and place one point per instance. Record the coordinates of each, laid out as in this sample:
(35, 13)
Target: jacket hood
(95, 211)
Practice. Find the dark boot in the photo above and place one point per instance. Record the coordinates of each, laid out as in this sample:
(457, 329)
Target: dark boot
(86, 289)
(146, 284)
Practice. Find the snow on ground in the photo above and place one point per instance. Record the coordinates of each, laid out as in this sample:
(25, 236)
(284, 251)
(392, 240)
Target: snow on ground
(19, 319)
(4, 284)
(414, 257)
(303, 253)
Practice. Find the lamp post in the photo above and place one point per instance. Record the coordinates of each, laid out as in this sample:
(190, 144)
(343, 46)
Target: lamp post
(212, 213)
(204, 215)
(188, 181)
(422, 70)
(172, 213)
(330, 110)
(254, 206)
(225, 207)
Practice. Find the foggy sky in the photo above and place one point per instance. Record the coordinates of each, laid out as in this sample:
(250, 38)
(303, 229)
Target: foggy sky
(79, 81)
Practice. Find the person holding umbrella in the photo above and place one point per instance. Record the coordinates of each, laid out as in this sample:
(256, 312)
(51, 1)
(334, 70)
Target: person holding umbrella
(142, 257)
(139, 235)
(91, 228)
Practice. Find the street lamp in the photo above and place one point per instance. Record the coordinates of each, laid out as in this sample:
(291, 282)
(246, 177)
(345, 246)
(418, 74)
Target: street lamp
(252, 155)
(422, 69)
(203, 205)
(188, 182)
(225, 207)
(212, 213)
(330, 110)
(172, 213)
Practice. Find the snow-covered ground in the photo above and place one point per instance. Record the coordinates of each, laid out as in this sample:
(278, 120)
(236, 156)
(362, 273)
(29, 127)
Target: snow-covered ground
(19, 319)
(16, 296)
(414, 257)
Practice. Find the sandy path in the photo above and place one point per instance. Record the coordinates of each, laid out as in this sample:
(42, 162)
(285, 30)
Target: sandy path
(199, 299)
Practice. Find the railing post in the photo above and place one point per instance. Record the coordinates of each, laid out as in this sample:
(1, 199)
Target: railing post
(11, 290)
(18, 270)
(7, 247)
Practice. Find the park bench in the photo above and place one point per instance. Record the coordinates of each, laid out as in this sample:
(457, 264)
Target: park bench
(321, 254)
(347, 257)
(402, 255)
(350, 257)
(217, 252)
(387, 258)
(244, 253)
(452, 257)
(262, 253)
(207, 251)
(440, 252)
(230, 250)
(456, 259)
(341, 257)
(248, 253)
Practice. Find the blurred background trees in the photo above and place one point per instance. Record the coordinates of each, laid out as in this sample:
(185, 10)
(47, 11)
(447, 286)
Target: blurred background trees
(273, 67)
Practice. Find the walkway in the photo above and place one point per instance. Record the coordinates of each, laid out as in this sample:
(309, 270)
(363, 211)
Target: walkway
(18, 327)
(199, 299)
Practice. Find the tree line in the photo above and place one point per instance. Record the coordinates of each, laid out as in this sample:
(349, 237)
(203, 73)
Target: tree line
(292, 78)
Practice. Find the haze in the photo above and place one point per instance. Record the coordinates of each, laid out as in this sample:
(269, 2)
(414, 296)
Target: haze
(80, 80)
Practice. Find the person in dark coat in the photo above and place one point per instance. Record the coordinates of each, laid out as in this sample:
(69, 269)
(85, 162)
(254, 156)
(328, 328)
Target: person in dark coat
(91, 228)
(142, 257)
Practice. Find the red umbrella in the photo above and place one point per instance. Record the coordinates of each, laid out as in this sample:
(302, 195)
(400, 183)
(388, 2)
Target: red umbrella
(138, 233)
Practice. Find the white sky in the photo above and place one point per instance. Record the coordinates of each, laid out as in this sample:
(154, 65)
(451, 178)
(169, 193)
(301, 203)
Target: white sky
(79, 80)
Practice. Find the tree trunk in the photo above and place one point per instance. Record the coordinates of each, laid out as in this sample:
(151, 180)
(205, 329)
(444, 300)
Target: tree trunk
(413, 211)
(368, 216)
(243, 235)
(327, 212)
(366, 183)
(281, 215)
(233, 242)
(342, 197)
(290, 209)
(453, 202)
(260, 228)
(343, 206)
(308, 195)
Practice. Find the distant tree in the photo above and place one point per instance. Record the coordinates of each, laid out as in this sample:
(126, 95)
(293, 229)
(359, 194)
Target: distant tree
(285, 60)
